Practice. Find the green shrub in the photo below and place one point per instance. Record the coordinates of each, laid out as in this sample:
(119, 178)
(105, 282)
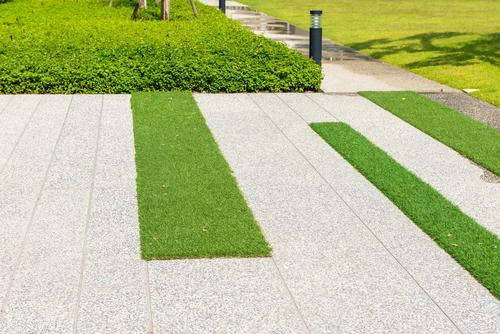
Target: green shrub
(55, 46)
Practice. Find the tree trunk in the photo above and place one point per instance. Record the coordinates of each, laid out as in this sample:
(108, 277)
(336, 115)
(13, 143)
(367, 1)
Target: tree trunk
(139, 5)
(195, 12)
(163, 14)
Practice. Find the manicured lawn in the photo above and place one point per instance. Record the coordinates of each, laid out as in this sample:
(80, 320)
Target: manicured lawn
(465, 135)
(190, 205)
(455, 42)
(56, 46)
(471, 245)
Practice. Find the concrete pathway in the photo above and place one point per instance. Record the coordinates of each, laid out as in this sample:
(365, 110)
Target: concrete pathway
(344, 258)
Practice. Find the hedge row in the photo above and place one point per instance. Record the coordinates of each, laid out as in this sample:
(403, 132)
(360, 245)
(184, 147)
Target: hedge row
(50, 46)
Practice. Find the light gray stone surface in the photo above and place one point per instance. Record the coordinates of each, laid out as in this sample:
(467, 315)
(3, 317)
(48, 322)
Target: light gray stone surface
(45, 285)
(15, 114)
(465, 301)
(352, 76)
(4, 101)
(221, 296)
(341, 276)
(24, 173)
(114, 291)
(453, 175)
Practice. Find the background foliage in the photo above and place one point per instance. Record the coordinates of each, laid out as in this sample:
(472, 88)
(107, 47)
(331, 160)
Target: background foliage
(50, 46)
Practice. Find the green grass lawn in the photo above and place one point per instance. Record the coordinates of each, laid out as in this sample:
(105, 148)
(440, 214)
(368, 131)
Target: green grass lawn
(190, 205)
(455, 42)
(70, 46)
(471, 245)
(471, 138)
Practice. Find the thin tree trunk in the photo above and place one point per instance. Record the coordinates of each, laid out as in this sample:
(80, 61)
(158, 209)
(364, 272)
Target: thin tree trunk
(163, 14)
(136, 10)
(139, 5)
(110, 3)
(195, 12)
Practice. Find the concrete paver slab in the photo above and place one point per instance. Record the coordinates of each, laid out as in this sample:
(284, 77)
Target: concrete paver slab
(45, 286)
(453, 175)
(221, 296)
(114, 283)
(330, 261)
(24, 174)
(4, 101)
(15, 114)
(352, 76)
(338, 79)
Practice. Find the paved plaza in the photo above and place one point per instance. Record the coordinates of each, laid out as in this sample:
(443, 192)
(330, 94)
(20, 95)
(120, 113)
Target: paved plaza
(345, 259)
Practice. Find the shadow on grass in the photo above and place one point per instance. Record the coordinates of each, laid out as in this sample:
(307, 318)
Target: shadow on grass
(485, 48)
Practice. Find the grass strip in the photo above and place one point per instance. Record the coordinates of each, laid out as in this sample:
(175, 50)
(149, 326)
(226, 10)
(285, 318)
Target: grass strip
(190, 205)
(470, 244)
(465, 135)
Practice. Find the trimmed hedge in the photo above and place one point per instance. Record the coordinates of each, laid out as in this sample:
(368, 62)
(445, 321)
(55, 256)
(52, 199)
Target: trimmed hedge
(50, 46)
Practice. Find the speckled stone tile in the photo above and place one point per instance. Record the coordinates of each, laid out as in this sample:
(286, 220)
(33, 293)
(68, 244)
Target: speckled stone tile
(463, 299)
(15, 113)
(4, 101)
(454, 176)
(340, 275)
(44, 291)
(221, 296)
(113, 294)
(24, 173)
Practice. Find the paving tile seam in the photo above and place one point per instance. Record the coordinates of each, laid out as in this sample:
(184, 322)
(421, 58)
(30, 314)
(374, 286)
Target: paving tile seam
(306, 325)
(150, 325)
(11, 153)
(351, 208)
(147, 291)
(316, 103)
(339, 93)
(33, 212)
(76, 312)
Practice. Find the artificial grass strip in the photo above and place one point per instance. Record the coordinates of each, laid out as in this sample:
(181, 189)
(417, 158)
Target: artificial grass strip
(190, 205)
(470, 244)
(473, 139)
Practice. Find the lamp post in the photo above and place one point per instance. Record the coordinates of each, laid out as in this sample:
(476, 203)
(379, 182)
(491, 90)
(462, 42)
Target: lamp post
(315, 36)
(222, 6)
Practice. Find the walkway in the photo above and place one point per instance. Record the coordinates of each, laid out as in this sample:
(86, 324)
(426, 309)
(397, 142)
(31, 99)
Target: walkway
(344, 258)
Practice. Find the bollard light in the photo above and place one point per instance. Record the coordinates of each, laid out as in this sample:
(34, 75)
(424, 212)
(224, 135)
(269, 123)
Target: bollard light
(316, 36)
(222, 6)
